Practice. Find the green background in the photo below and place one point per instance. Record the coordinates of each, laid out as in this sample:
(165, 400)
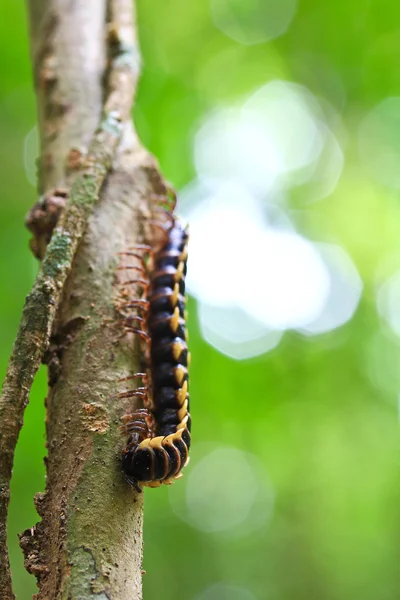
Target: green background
(318, 417)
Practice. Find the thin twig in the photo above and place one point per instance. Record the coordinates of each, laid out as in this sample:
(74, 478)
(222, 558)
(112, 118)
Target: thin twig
(43, 300)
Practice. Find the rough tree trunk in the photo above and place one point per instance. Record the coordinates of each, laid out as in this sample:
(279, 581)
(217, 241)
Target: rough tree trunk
(89, 541)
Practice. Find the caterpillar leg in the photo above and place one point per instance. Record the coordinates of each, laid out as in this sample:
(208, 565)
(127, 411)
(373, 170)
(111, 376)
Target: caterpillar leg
(127, 324)
(133, 482)
(140, 281)
(142, 376)
(139, 304)
(139, 251)
(166, 216)
(140, 258)
(140, 421)
(135, 303)
(164, 232)
(144, 336)
(139, 392)
(141, 268)
(143, 392)
(132, 322)
(168, 199)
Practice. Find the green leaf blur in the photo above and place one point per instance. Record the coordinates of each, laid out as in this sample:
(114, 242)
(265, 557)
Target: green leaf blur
(317, 417)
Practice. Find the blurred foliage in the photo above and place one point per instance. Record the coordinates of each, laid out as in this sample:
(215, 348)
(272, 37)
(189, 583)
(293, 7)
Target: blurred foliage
(320, 414)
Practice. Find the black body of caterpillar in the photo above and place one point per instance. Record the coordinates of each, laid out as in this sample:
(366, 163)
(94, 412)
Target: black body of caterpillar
(159, 434)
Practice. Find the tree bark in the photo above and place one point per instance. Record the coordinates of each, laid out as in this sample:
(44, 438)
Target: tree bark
(89, 542)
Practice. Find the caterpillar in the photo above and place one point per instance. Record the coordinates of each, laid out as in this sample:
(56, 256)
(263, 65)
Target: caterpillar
(159, 434)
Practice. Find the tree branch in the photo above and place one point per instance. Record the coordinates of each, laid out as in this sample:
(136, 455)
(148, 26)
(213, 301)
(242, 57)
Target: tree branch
(81, 547)
(89, 541)
(37, 319)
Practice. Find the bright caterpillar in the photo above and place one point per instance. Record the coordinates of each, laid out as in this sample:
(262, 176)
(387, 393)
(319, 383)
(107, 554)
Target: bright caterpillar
(159, 434)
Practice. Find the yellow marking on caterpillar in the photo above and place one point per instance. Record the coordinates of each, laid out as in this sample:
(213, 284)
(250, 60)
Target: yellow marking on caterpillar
(184, 254)
(182, 412)
(182, 425)
(179, 432)
(174, 320)
(177, 349)
(145, 443)
(180, 373)
(156, 442)
(179, 271)
(152, 484)
(181, 393)
(169, 439)
(175, 295)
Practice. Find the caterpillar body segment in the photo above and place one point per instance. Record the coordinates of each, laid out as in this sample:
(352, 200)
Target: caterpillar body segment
(159, 437)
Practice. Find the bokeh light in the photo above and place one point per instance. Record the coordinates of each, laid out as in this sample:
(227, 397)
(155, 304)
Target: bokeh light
(345, 291)
(225, 591)
(226, 492)
(221, 230)
(380, 362)
(290, 281)
(256, 276)
(278, 137)
(379, 142)
(234, 332)
(252, 264)
(327, 171)
(388, 301)
(253, 22)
